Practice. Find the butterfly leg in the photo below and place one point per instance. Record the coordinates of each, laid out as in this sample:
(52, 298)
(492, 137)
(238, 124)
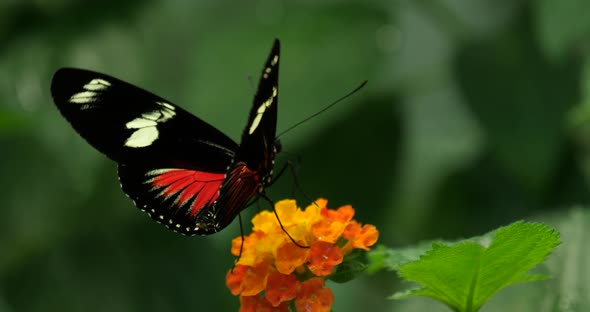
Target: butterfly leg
(241, 244)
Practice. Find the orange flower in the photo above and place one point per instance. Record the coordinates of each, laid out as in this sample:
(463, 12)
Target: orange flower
(280, 288)
(247, 280)
(324, 257)
(343, 214)
(312, 296)
(289, 257)
(271, 263)
(259, 304)
(361, 237)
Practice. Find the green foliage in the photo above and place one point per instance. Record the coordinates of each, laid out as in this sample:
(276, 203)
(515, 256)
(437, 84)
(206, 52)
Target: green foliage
(465, 275)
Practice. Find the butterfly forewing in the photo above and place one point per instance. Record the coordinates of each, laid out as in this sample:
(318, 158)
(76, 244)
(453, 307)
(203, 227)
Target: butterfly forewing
(252, 166)
(131, 125)
(258, 138)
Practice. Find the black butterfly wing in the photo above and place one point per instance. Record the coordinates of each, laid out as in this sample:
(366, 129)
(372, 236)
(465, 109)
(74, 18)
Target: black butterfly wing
(131, 125)
(252, 167)
(171, 163)
(257, 147)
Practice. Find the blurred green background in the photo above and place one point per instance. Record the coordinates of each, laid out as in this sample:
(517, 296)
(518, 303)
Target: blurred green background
(475, 115)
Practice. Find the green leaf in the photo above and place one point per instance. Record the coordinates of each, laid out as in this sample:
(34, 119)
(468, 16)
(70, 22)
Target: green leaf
(383, 258)
(348, 270)
(466, 275)
(352, 266)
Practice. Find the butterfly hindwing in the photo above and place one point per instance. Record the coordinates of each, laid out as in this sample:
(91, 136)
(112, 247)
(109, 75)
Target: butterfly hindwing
(181, 199)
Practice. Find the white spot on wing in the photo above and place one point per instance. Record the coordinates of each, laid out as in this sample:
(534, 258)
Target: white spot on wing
(146, 125)
(140, 123)
(261, 109)
(89, 95)
(142, 137)
(275, 60)
(97, 84)
(167, 114)
(151, 115)
(83, 97)
(167, 105)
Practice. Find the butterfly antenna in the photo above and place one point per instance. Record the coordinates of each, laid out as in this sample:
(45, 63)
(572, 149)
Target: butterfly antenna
(324, 109)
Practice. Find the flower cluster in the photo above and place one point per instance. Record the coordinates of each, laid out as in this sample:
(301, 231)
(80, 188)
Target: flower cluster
(274, 273)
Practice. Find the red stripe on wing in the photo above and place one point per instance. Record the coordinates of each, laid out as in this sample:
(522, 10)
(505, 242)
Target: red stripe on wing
(200, 185)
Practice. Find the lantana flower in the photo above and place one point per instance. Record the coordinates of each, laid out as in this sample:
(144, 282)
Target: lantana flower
(274, 274)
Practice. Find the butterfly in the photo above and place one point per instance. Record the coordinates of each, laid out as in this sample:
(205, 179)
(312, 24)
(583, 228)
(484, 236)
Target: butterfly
(181, 171)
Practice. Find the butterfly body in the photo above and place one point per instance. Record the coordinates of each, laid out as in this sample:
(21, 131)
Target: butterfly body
(181, 171)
